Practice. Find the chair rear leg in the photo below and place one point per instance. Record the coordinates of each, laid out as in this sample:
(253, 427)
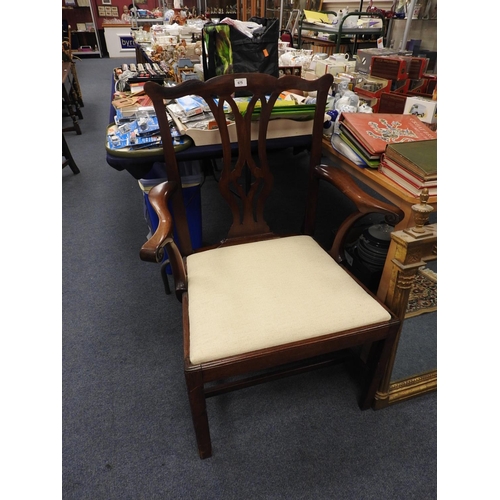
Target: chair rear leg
(164, 277)
(197, 402)
(376, 364)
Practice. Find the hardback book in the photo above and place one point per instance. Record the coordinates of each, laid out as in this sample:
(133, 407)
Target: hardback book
(419, 158)
(375, 131)
(351, 138)
(370, 161)
(405, 184)
(417, 181)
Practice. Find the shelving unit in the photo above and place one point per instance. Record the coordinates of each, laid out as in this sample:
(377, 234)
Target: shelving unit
(273, 9)
(136, 22)
(245, 9)
(423, 30)
(79, 15)
(341, 32)
(250, 8)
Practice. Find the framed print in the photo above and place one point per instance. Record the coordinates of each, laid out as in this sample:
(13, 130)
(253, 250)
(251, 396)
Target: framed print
(106, 2)
(107, 11)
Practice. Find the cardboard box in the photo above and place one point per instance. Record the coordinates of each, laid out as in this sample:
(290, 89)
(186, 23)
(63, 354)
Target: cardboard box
(352, 80)
(321, 67)
(336, 68)
(424, 109)
(373, 102)
(309, 75)
(350, 66)
(372, 86)
(329, 66)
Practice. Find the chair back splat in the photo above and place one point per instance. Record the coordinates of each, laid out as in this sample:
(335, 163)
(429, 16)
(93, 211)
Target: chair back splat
(258, 306)
(245, 183)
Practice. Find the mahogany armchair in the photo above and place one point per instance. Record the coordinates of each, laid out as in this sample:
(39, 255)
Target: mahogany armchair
(259, 305)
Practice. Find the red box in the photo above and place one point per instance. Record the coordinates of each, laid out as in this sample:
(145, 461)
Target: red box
(431, 83)
(401, 86)
(390, 67)
(418, 67)
(418, 86)
(391, 102)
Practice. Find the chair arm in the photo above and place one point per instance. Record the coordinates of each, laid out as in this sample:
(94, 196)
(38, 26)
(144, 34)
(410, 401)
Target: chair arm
(365, 204)
(162, 239)
(153, 249)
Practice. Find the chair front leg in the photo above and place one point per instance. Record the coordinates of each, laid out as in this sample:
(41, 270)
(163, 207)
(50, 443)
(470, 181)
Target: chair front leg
(198, 406)
(376, 364)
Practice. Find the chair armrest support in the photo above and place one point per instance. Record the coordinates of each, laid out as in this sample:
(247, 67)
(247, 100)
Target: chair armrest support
(365, 204)
(162, 240)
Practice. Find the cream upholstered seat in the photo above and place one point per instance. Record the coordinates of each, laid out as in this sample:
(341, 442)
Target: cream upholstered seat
(257, 306)
(299, 291)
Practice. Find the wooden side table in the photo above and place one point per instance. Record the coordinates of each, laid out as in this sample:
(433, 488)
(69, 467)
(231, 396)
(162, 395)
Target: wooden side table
(385, 187)
(379, 183)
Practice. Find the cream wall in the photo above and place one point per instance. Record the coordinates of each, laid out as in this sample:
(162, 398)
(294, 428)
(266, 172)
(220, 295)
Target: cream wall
(336, 5)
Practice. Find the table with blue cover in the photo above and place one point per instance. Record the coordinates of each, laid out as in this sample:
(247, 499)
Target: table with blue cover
(147, 165)
(139, 163)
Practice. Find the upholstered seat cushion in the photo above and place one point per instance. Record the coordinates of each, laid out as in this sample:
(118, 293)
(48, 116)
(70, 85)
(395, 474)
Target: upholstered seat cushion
(248, 297)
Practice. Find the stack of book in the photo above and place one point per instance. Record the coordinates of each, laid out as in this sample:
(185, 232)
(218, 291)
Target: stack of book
(129, 104)
(412, 166)
(369, 134)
